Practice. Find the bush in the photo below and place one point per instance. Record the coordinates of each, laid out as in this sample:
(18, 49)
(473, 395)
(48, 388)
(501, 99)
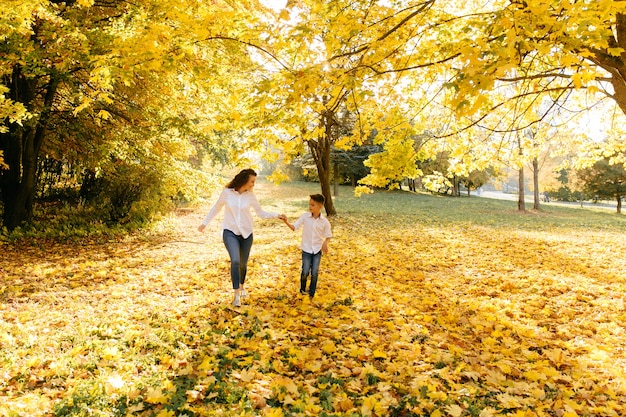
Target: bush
(564, 193)
(119, 192)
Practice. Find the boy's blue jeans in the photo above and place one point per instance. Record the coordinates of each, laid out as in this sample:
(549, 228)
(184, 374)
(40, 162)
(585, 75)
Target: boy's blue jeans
(239, 251)
(310, 264)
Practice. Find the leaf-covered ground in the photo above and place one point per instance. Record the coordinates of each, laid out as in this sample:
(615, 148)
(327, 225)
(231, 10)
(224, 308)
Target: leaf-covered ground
(426, 306)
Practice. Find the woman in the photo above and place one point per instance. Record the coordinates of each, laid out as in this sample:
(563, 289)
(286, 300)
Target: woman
(238, 198)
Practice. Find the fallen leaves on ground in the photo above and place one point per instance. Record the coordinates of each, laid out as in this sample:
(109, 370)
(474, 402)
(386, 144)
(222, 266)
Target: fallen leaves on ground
(410, 319)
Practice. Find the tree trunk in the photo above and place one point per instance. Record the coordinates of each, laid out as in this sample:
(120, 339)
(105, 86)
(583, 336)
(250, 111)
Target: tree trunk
(320, 150)
(521, 204)
(536, 183)
(21, 146)
(323, 169)
(619, 204)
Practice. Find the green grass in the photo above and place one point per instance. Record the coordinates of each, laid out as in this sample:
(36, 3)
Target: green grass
(437, 210)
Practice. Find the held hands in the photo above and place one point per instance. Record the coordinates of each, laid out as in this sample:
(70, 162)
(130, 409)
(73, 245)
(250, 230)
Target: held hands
(284, 219)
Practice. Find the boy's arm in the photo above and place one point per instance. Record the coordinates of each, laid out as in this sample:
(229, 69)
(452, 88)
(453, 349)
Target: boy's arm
(297, 224)
(327, 234)
(325, 246)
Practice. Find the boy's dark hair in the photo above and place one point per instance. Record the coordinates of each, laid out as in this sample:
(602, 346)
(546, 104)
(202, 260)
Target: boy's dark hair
(318, 197)
(241, 179)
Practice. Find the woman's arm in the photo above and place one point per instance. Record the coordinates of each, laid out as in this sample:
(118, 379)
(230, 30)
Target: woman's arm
(221, 201)
(259, 211)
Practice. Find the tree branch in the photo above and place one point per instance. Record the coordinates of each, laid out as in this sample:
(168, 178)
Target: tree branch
(561, 90)
(260, 48)
(545, 75)
(364, 48)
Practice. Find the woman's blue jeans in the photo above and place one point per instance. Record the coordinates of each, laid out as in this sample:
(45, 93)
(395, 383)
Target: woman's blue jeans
(239, 251)
(310, 265)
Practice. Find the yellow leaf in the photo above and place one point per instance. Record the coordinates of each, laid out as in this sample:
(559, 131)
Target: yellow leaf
(454, 410)
(436, 413)
(488, 412)
(207, 364)
(245, 375)
(103, 114)
(344, 404)
(504, 368)
(437, 395)
(329, 347)
(274, 412)
(368, 406)
(278, 176)
(314, 366)
(533, 376)
(379, 354)
(509, 401)
(156, 396)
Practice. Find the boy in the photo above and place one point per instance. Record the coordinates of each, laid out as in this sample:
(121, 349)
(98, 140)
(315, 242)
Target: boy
(316, 234)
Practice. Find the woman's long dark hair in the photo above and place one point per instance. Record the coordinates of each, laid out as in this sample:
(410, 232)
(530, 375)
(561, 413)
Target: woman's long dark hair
(241, 179)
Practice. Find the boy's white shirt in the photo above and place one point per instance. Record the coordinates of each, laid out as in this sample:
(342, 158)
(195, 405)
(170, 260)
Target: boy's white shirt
(314, 232)
(237, 215)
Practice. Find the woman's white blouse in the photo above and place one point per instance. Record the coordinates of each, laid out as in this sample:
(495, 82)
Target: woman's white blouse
(237, 215)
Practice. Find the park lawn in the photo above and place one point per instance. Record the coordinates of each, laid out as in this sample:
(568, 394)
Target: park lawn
(426, 306)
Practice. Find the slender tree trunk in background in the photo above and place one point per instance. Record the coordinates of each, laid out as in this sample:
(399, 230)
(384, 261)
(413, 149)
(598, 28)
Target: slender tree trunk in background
(521, 204)
(455, 186)
(536, 183)
(619, 204)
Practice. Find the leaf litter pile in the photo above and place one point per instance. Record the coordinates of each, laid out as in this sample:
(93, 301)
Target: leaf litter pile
(412, 318)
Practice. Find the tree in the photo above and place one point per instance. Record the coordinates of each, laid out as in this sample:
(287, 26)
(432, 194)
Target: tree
(350, 163)
(78, 65)
(384, 64)
(477, 179)
(606, 180)
(329, 59)
(558, 45)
